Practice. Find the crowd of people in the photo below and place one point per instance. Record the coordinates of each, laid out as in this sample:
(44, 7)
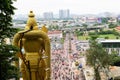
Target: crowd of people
(62, 62)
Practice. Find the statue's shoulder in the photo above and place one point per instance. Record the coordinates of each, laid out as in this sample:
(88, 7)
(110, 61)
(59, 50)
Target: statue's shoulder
(20, 32)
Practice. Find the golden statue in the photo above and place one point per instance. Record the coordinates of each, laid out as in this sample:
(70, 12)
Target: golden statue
(36, 45)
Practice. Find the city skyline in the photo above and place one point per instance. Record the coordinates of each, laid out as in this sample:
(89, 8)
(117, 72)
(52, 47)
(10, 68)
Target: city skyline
(75, 7)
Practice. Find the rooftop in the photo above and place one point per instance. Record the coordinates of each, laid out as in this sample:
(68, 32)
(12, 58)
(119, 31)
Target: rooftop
(110, 41)
(118, 27)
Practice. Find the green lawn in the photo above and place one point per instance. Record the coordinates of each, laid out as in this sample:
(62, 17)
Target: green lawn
(82, 37)
(110, 36)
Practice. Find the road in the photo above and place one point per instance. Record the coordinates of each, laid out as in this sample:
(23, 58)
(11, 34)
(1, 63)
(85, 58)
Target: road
(63, 60)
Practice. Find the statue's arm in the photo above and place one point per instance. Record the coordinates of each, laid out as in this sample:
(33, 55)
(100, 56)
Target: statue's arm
(16, 39)
(16, 42)
(47, 51)
(48, 59)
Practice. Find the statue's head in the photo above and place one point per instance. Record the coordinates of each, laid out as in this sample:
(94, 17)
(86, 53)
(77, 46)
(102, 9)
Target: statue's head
(31, 22)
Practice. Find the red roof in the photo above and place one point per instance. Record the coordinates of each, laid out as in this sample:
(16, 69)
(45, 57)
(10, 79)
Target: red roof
(118, 27)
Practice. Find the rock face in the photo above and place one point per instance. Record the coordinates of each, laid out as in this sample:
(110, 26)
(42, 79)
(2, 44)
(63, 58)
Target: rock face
(36, 57)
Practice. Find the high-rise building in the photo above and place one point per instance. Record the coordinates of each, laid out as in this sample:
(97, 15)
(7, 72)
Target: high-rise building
(48, 15)
(64, 14)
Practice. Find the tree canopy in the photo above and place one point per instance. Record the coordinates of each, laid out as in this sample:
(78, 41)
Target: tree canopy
(7, 51)
(97, 57)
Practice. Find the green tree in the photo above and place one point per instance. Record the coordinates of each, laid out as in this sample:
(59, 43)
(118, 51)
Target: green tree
(85, 29)
(104, 20)
(111, 25)
(97, 57)
(7, 51)
(50, 27)
(115, 59)
(78, 32)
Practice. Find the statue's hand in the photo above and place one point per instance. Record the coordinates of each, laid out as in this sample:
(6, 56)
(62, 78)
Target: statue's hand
(47, 78)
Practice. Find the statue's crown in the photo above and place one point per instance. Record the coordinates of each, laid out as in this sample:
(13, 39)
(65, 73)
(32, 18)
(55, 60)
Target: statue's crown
(31, 22)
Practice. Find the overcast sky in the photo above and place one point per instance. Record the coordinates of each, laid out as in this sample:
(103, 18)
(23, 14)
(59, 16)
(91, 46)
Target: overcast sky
(75, 6)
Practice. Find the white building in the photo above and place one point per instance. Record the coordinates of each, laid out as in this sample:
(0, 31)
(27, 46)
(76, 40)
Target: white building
(111, 45)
